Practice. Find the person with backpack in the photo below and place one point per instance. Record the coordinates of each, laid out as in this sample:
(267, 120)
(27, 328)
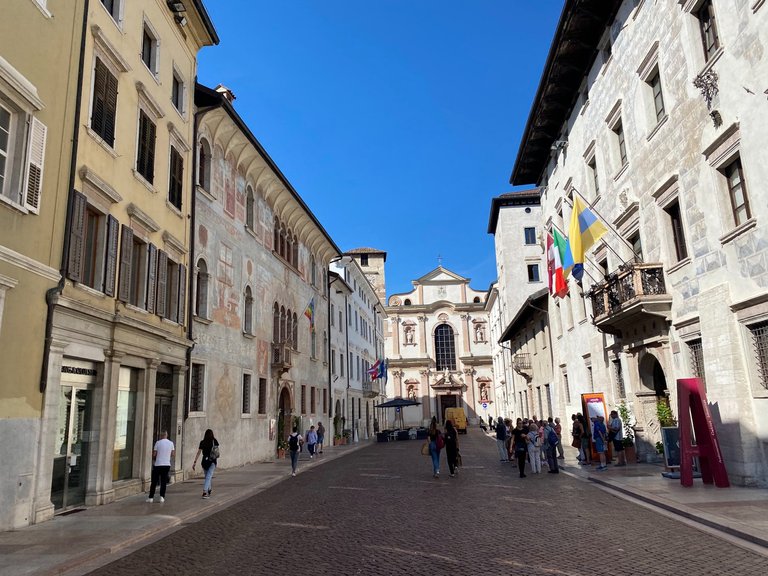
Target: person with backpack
(551, 440)
(209, 448)
(501, 440)
(295, 442)
(320, 437)
(520, 442)
(436, 443)
(534, 448)
(599, 435)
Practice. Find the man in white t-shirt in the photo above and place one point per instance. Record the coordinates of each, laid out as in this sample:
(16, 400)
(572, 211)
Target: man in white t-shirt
(161, 454)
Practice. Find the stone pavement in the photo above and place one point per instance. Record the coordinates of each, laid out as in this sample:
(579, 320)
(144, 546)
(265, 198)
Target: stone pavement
(79, 542)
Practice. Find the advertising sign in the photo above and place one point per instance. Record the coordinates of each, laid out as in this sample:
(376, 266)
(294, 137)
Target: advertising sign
(593, 404)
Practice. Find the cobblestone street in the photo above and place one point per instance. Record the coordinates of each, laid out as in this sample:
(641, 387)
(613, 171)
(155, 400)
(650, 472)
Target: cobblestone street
(379, 511)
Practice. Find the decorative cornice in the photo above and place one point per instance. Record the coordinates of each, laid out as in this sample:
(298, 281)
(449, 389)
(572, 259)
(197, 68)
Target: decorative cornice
(20, 84)
(28, 264)
(101, 41)
(110, 194)
(178, 137)
(142, 217)
(146, 99)
(174, 243)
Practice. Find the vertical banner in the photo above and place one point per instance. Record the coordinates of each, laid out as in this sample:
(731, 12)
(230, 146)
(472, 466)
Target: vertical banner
(694, 417)
(593, 404)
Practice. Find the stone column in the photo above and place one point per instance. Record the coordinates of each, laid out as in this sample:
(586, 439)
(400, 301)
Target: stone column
(179, 388)
(145, 420)
(105, 414)
(398, 374)
(465, 318)
(423, 335)
(396, 335)
(427, 395)
(472, 393)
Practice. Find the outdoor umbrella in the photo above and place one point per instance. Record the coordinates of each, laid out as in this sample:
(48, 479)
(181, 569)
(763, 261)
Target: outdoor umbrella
(398, 403)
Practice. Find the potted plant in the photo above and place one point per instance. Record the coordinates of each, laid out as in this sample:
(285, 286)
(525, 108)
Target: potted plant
(629, 433)
(336, 439)
(282, 447)
(346, 436)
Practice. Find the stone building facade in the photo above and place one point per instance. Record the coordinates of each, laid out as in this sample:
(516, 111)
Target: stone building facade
(439, 350)
(260, 363)
(655, 113)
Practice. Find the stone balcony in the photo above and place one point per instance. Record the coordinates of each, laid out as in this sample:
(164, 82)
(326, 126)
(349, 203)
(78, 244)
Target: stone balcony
(371, 389)
(630, 296)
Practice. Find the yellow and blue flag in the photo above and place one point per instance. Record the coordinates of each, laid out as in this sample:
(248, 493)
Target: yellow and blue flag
(585, 230)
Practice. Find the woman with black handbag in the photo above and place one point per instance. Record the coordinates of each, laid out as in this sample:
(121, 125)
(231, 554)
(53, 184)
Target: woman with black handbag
(209, 448)
(451, 438)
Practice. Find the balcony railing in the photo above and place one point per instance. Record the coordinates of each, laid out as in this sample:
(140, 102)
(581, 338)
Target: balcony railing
(639, 284)
(370, 389)
(281, 356)
(522, 361)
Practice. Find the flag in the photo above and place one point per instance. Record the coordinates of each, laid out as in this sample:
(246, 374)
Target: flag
(373, 371)
(585, 230)
(383, 370)
(558, 286)
(310, 313)
(549, 251)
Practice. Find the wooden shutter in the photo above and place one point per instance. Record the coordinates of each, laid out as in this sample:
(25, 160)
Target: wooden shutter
(182, 303)
(126, 259)
(76, 236)
(110, 109)
(150, 151)
(33, 184)
(176, 185)
(162, 280)
(151, 277)
(145, 162)
(113, 228)
(99, 98)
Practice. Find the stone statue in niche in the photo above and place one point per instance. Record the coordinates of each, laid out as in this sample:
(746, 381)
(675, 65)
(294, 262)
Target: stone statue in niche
(411, 393)
(410, 333)
(483, 394)
(479, 333)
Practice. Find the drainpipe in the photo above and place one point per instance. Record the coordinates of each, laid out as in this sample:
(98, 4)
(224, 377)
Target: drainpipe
(328, 351)
(52, 294)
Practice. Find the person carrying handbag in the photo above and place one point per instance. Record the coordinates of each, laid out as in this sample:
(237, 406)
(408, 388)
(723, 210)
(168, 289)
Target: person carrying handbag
(209, 448)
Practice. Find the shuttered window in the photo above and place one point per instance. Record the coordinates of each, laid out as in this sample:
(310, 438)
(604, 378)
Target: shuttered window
(196, 387)
(33, 185)
(126, 260)
(110, 269)
(246, 393)
(176, 178)
(104, 106)
(145, 157)
(262, 395)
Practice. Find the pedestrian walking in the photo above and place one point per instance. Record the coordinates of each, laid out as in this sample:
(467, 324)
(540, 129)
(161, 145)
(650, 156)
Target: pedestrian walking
(550, 445)
(559, 431)
(585, 434)
(534, 448)
(209, 448)
(451, 437)
(162, 454)
(599, 435)
(295, 442)
(311, 442)
(436, 443)
(616, 435)
(520, 442)
(501, 440)
(320, 437)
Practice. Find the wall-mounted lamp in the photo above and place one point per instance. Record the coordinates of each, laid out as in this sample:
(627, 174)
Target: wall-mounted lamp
(176, 6)
(559, 145)
(180, 20)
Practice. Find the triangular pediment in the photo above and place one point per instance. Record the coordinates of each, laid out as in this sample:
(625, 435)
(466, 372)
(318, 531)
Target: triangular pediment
(441, 275)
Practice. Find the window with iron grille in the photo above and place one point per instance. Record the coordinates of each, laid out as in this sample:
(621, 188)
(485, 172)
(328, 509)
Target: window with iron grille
(312, 400)
(445, 350)
(303, 398)
(760, 343)
(196, 387)
(619, 375)
(246, 393)
(262, 395)
(696, 352)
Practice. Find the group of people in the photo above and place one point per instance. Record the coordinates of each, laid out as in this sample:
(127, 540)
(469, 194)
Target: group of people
(530, 441)
(447, 439)
(599, 435)
(314, 441)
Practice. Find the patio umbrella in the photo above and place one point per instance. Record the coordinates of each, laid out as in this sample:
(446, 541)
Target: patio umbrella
(398, 403)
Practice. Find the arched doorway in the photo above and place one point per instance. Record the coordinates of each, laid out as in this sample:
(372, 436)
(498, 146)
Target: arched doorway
(284, 416)
(652, 376)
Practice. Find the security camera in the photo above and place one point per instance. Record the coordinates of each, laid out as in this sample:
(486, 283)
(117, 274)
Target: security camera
(558, 144)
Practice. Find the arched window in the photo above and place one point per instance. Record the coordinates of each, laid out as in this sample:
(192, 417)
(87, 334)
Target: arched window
(476, 300)
(289, 247)
(276, 324)
(407, 302)
(325, 282)
(201, 290)
(282, 242)
(248, 312)
(312, 271)
(295, 332)
(250, 209)
(289, 329)
(445, 350)
(276, 236)
(204, 165)
(282, 325)
(295, 254)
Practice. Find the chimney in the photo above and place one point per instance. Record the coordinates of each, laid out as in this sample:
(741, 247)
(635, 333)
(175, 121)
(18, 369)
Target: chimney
(228, 94)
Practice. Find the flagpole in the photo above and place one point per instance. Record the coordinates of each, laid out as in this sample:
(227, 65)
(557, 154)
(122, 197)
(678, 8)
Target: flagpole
(585, 256)
(591, 206)
(608, 227)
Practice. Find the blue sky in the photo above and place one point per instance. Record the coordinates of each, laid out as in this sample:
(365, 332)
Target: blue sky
(396, 120)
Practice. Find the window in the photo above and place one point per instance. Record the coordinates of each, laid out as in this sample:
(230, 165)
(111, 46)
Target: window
(176, 178)
(325, 346)
(567, 388)
(341, 364)
(530, 236)
(113, 7)
(248, 311)
(696, 355)
(592, 177)
(201, 289)
(325, 401)
(171, 288)
(104, 104)
(313, 271)
(250, 210)
(445, 351)
(533, 273)
(678, 234)
(658, 97)
(407, 302)
(708, 29)
(177, 92)
(145, 156)
(204, 165)
(137, 295)
(737, 191)
(22, 155)
(619, 376)
(312, 403)
(759, 333)
(196, 387)
(149, 49)
(637, 246)
(313, 344)
(333, 315)
(621, 145)
(303, 399)
(364, 260)
(333, 362)
(246, 393)
(93, 247)
(262, 395)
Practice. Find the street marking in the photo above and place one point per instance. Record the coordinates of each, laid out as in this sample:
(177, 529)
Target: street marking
(504, 486)
(379, 476)
(416, 553)
(294, 525)
(346, 488)
(528, 500)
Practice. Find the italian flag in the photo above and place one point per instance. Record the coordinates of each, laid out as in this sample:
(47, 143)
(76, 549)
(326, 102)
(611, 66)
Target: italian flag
(556, 247)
